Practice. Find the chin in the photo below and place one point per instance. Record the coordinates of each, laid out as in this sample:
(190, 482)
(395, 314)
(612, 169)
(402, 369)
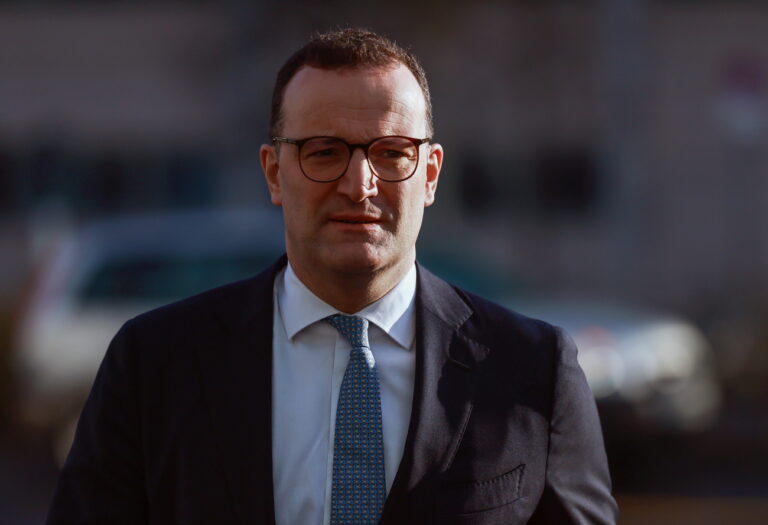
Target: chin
(357, 259)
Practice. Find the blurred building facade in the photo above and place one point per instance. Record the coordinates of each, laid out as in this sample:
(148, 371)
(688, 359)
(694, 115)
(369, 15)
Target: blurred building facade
(612, 147)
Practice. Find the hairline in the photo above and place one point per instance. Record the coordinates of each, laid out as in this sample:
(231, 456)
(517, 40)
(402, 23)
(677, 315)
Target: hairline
(388, 66)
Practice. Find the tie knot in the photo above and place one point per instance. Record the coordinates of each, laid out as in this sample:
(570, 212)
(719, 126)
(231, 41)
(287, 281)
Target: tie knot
(353, 328)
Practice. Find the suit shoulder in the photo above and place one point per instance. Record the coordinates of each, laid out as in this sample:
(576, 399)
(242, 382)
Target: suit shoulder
(501, 322)
(484, 320)
(197, 306)
(227, 304)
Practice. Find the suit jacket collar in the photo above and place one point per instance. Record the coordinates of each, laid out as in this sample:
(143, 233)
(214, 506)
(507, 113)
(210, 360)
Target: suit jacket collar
(237, 378)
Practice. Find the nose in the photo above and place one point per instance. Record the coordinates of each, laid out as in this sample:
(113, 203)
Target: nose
(359, 182)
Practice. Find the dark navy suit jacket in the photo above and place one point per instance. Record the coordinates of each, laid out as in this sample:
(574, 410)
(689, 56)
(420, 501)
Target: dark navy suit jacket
(177, 428)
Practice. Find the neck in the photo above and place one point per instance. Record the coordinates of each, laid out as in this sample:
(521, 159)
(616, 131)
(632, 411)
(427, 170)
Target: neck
(350, 292)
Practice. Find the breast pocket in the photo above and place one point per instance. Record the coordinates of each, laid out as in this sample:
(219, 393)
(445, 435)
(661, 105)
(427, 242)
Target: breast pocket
(465, 498)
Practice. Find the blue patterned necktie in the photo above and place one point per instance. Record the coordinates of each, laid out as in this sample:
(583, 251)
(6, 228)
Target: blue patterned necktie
(359, 487)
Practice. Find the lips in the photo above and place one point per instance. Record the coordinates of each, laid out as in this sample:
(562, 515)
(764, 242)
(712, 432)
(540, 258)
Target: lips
(355, 219)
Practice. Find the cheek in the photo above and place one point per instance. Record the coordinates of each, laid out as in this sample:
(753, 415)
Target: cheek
(303, 203)
(295, 191)
(411, 208)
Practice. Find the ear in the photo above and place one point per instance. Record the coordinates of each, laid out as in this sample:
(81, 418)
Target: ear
(434, 163)
(271, 168)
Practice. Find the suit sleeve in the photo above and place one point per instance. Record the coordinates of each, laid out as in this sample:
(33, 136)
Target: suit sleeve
(102, 479)
(578, 484)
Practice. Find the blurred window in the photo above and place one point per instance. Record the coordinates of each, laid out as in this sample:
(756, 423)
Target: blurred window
(8, 190)
(566, 180)
(92, 183)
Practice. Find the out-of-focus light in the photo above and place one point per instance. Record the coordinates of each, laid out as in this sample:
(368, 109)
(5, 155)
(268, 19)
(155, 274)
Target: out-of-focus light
(597, 356)
(677, 350)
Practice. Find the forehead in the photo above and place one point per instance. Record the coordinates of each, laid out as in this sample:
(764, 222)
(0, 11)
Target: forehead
(354, 104)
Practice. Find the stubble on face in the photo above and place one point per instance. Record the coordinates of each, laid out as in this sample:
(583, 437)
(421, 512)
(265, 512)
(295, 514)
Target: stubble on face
(358, 231)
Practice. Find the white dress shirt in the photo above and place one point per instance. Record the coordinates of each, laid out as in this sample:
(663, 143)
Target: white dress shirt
(309, 360)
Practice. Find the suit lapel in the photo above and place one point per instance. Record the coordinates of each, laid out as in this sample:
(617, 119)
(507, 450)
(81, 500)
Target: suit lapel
(446, 372)
(237, 381)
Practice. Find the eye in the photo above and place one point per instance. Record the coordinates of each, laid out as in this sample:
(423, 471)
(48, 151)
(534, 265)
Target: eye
(392, 153)
(323, 153)
(393, 149)
(323, 149)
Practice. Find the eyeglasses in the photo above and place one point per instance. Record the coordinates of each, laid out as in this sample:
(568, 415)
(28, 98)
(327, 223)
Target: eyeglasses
(326, 159)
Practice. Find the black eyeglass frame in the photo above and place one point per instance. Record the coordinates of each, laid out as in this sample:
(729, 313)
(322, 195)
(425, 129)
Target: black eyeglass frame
(352, 147)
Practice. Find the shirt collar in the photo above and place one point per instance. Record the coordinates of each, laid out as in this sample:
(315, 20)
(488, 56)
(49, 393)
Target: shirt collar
(393, 313)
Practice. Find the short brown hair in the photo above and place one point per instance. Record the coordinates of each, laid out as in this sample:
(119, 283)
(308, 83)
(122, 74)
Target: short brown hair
(346, 48)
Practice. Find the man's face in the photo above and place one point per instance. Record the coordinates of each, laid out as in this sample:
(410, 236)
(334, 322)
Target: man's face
(358, 223)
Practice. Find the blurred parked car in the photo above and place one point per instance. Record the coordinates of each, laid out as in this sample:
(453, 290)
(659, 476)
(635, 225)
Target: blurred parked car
(652, 374)
(101, 276)
(654, 371)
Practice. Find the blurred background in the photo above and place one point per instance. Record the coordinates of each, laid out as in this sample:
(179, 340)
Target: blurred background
(606, 169)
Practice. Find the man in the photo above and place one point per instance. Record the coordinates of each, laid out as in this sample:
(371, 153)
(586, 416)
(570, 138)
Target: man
(345, 384)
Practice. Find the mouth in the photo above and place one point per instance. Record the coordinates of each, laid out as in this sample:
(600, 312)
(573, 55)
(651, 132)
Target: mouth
(356, 224)
(356, 220)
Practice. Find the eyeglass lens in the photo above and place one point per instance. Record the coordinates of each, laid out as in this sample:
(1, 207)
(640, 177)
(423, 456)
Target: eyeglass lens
(327, 158)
